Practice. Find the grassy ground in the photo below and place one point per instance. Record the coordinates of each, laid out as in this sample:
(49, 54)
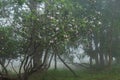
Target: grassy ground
(113, 74)
(82, 75)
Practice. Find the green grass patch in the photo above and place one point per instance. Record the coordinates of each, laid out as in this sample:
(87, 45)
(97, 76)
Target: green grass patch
(112, 74)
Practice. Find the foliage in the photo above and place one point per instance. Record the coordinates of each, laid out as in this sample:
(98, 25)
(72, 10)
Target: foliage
(7, 40)
(41, 29)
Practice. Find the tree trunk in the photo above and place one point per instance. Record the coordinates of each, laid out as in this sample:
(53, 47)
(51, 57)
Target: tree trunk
(110, 60)
(37, 59)
(91, 62)
(55, 59)
(25, 76)
(101, 60)
(67, 66)
(106, 59)
(97, 60)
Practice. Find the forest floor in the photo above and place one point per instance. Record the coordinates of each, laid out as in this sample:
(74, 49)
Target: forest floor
(107, 74)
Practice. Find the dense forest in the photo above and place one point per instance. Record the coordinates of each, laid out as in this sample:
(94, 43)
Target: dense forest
(39, 32)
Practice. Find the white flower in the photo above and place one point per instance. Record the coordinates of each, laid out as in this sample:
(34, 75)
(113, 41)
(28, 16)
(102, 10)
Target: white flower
(51, 41)
(51, 17)
(55, 38)
(57, 20)
(94, 18)
(76, 26)
(69, 24)
(71, 29)
(76, 32)
(93, 25)
(67, 39)
(39, 36)
(99, 22)
(2, 38)
(57, 28)
(57, 12)
(91, 21)
(98, 12)
(66, 36)
(44, 28)
(73, 20)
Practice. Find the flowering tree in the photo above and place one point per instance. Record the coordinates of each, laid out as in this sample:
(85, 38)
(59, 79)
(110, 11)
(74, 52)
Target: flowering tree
(41, 27)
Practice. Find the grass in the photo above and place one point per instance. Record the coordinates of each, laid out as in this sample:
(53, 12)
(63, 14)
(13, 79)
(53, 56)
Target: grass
(107, 74)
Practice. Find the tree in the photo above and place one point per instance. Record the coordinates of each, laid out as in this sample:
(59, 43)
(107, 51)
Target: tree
(38, 31)
(7, 53)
